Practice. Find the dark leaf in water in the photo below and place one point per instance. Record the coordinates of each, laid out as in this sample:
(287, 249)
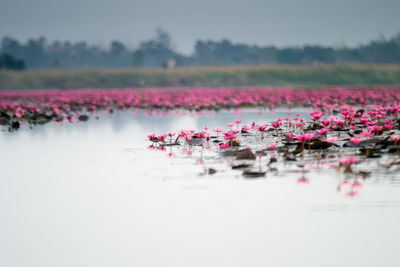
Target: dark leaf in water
(370, 152)
(359, 113)
(272, 160)
(393, 149)
(313, 127)
(298, 149)
(211, 171)
(83, 117)
(364, 174)
(386, 143)
(196, 142)
(245, 154)
(368, 142)
(253, 174)
(40, 119)
(4, 121)
(229, 153)
(4, 115)
(15, 125)
(170, 144)
(241, 166)
(348, 144)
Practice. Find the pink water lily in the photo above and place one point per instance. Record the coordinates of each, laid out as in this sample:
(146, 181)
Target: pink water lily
(356, 140)
(367, 134)
(323, 131)
(224, 146)
(245, 129)
(395, 138)
(237, 122)
(332, 139)
(271, 147)
(151, 136)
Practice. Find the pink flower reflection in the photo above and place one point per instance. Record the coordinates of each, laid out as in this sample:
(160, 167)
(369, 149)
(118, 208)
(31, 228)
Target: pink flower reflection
(303, 180)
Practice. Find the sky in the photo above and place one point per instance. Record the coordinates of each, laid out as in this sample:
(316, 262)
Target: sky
(261, 22)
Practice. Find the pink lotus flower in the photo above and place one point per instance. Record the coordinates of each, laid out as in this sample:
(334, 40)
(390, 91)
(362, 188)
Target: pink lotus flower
(325, 123)
(230, 137)
(305, 137)
(395, 138)
(245, 129)
(323, 131)
(152, 136)
(276, 124)
(367, 134)
(271, 147)
(237, 122)
(235, 131)
(332, 139)
(375, 128)
(200, 135)
(356, 140)
(162, 137)
(290, 136)
(262, 128)
(301, 138)
(224, 146)
(390, 126)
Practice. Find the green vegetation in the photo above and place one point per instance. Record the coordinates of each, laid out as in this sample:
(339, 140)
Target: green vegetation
(9, 62)
(262, 75)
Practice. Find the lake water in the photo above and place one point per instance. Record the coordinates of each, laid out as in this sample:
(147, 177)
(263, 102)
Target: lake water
(93, 194)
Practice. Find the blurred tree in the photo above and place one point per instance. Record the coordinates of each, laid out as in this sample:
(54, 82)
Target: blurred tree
(155, 52)
(8, 62)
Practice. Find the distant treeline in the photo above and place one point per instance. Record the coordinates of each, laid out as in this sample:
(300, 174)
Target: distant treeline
(39, 53)
(9, 62)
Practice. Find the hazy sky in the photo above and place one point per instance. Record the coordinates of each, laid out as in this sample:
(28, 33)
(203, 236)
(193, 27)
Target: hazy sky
(277, 22)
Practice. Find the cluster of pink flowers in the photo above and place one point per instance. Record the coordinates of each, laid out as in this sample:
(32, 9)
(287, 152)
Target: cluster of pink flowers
(64, 105)
(369, 127)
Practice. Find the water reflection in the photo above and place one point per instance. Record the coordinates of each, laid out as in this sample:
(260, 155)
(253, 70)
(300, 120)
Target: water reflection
(95, 190)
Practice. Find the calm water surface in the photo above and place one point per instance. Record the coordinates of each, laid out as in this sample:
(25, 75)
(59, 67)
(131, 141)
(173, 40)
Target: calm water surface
(93, 194)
